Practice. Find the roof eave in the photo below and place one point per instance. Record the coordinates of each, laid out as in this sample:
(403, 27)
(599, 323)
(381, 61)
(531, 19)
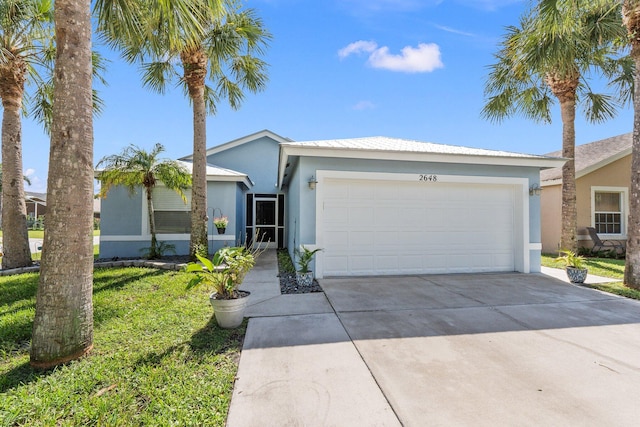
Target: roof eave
(297, 150)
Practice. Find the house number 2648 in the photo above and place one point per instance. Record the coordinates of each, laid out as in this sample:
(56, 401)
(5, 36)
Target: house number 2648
(428, 178)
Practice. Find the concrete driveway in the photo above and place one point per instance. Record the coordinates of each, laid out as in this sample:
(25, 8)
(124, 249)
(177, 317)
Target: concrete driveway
(491, 349)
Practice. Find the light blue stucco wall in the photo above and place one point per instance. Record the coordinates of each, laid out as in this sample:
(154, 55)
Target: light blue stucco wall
(258, 159)
(123, 216)
(120, 213)
(303, 200)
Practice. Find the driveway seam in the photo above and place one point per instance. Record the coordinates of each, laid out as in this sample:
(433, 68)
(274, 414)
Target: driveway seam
(375, 380)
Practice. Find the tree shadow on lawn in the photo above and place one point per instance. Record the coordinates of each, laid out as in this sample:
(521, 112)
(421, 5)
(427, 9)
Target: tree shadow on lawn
(209, 340)
(15, 337)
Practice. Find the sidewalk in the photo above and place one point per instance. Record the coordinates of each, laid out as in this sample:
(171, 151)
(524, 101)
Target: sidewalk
(298, 365)
(560, 274)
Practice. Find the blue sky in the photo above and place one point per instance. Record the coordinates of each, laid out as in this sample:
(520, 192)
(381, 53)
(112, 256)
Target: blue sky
(411, 69)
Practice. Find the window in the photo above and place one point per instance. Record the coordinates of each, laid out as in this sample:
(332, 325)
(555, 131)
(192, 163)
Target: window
(608, 211)
(170, 213)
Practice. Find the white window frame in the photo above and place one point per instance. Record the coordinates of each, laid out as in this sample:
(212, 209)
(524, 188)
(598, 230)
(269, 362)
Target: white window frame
(624, 192)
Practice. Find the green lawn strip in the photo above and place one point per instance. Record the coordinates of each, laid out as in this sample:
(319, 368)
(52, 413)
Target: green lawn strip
(159, 357)
(605, 267)
(39, 234)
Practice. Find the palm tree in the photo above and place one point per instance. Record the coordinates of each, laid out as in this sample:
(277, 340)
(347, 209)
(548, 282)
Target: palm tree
(135, 168)
(26, 36)
(547, 57)
(224, 54)
(27, 51)
(631, 19)
(63, 322)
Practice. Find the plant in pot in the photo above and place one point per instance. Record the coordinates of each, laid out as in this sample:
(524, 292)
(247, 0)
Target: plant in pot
(225, 273)
(304, 276)
(221, 223)
(574, 266)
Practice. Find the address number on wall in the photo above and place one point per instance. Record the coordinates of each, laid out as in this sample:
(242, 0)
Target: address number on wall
(428, 178)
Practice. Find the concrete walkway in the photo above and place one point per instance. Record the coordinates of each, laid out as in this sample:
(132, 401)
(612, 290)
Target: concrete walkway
(493, 349)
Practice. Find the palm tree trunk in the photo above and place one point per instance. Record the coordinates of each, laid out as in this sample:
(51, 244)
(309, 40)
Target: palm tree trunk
(63, 323)
(632, 263)
(153, 251)
(195, 70)
(631, 19)
(15, 236)
(568, 238)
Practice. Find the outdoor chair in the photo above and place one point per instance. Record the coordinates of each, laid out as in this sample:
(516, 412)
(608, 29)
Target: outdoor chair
(604, 245)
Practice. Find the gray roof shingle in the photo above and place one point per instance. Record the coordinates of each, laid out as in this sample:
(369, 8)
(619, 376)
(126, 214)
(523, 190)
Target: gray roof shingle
(593, 155)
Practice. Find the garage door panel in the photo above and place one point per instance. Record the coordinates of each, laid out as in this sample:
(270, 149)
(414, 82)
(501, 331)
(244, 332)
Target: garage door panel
(405, 227)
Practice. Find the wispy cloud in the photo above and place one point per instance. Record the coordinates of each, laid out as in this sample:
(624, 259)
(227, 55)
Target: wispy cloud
(489, 4)
(421, 59)
(37, 185)
(454, 31)
(364, 105)
(357, 47)
(388, 5)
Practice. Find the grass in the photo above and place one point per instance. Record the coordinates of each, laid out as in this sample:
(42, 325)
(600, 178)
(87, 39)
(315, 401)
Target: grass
(159, 357)
(605, 267)
(39, 234)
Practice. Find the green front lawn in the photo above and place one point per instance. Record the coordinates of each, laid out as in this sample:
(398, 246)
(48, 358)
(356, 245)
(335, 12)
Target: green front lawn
(39, 234)
(605, 267)
(159, 357)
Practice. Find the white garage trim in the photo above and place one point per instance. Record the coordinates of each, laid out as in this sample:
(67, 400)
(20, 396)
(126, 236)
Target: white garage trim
(522, 245)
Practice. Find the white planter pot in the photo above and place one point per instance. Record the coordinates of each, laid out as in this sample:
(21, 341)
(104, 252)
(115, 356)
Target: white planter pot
(304, 279)
(229, 313)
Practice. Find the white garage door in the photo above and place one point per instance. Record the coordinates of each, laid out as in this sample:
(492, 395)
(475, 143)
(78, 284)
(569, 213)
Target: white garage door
(397, 227)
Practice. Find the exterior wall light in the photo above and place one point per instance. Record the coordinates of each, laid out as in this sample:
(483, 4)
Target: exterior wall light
(312, 183)
(535, 190)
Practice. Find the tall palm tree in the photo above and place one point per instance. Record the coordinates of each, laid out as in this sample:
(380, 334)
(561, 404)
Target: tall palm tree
(63, 322)
(27, 51)
(135, 168)
(631, 19)
(547, 58)
(26, 40)
(225, 54)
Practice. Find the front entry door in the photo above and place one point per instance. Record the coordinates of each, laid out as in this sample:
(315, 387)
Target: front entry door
(265, 223)
(265, 215)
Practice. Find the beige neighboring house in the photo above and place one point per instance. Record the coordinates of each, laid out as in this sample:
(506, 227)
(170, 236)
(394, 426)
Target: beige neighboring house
(603, 177)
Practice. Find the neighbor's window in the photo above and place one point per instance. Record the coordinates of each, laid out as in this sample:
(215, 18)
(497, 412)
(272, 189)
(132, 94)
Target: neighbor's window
(171, 214)
(608, 212)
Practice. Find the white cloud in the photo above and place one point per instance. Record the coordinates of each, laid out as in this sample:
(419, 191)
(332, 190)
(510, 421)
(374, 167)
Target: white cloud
(422, 59)
(29, 172)
(364, 105)
(357, 47)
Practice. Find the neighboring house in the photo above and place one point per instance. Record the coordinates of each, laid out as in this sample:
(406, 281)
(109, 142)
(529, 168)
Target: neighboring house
(36, 204)
(603, 176)
(374, 205)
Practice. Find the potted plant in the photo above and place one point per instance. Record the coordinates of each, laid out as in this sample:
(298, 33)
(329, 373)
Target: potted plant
(225, 273)
(574, 266)
(221, 223)
(304, 276)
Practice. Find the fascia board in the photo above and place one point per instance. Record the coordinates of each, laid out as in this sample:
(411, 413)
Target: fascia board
(550, 182)
(282, 165)
(243, 140)
(423, 157)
